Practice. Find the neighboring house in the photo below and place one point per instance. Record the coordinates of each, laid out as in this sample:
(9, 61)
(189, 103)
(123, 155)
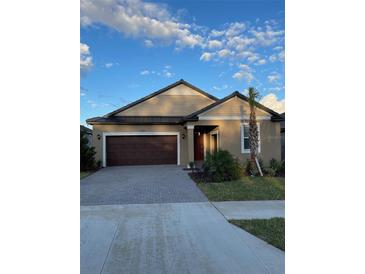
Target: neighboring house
(180, 124)
(282, 134)
(88, 133)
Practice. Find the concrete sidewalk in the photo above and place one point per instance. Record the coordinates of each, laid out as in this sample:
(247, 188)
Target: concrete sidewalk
(170, 238)
(251, 209)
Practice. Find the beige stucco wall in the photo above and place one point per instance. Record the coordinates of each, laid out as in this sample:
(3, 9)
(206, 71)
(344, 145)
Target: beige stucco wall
(178, 101)
(230, 138)
(99, 129)
(233, 107)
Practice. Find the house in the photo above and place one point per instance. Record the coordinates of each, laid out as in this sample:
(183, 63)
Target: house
(282, 134)
(179, 124)
(88, 134)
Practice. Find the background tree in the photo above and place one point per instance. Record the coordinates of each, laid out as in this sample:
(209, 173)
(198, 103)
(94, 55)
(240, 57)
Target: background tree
(87, 154)
(253, 137)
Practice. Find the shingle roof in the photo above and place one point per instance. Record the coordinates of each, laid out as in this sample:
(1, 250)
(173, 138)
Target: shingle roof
(110, 118)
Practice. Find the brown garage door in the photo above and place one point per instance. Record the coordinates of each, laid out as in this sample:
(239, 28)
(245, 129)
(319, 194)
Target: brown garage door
(141, 150)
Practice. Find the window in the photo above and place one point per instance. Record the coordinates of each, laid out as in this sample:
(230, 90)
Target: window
(245, 145)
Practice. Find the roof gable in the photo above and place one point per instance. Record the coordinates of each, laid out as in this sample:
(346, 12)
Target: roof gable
(154, 103)
(235, 104)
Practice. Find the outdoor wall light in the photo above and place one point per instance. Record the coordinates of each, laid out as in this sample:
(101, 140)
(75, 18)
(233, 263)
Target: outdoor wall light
(183, 135)
(99, 136)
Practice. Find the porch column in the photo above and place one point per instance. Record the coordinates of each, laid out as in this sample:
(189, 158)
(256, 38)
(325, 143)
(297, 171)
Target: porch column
(190, 133)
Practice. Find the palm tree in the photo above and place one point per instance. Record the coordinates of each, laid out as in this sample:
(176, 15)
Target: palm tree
(253, 138)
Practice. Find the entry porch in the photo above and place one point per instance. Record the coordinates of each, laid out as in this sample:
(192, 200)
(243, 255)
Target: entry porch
(202, 139)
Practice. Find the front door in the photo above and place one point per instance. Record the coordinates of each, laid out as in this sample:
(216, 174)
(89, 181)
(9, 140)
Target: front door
(198, 146)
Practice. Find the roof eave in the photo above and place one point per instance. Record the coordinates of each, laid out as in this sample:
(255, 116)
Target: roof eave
(142, 123)
(277, 119)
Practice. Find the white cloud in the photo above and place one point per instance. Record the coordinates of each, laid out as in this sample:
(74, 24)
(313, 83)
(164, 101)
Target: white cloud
(216, 33)
(206, 56)
(275, 89)
(243, 75)
(261, 62)
(273, 58)
(267, 37)
(108, 65)
(86, 61)
(281, 56)
(245, 72)
(190, 40)
(93, 104)
(244, 67)
(239, 43)
(84, 49)
(273, 77)
(245, 54)
(156, 25)
(235, 28)
(224, 53)
(136, 18)
(253, 58)
(167, 74)
(82, 93)
(212, 44)
(223, 87)
(145, 72)
(277, 57)
(148, 43)
(271, 101)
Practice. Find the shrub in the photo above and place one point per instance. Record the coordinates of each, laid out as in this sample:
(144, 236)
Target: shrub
(275, 165)
(87, 154)
(251, 169)
(282, 170)
(221, 166)
(269, 172)
(278, 167)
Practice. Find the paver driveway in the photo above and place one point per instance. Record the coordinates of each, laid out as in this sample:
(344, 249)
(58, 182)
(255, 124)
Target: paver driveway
(139, 185)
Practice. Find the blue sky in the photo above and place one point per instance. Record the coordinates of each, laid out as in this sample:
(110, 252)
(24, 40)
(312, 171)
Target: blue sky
(131, 48)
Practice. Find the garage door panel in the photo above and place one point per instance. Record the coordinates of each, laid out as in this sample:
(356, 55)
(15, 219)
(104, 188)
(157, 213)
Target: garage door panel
(141, 150)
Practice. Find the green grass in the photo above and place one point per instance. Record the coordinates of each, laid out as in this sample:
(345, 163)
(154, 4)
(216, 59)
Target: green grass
(84, 174)
(271, 231)
(246, 189)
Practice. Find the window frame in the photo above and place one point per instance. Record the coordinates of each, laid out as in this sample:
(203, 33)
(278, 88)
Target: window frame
(246, 151)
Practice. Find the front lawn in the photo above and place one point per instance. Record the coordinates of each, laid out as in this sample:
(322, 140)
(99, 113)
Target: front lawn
(245, 189)
(84, 174)
(271, 231)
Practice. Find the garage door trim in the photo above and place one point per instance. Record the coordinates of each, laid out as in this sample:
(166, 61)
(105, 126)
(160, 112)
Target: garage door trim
(129, 133)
